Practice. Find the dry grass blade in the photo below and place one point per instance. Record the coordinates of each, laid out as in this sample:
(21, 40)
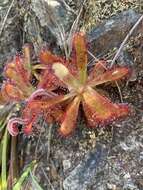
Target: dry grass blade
(56, 26)
(34, 182)
(94, 62)
(49, 141)
(74, 29)
(47, 178)
(119, 90)
(125, 40)
(5, 18)
(59, 30)
(24, 175)
(95, 59)
(13, 168)
(67, 6)
(38, 143)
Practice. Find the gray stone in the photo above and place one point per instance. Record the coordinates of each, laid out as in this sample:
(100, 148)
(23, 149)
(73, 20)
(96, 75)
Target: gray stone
(53, 15)
(3, 3)
(66, 164)
(83, 174)
(111, 33)
(124, 163)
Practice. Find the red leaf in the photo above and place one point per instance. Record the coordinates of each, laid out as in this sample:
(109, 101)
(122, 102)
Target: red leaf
(11, 92)
(100, 110)
(27, 65)
(53, 114)
(21, 71)
(99, 68)
(47, 58)
(70, 117)
(109, 76)
(48, 80)
(79, 45)
(11, 73)
(46, 104)
(27, 130)
(19, 76)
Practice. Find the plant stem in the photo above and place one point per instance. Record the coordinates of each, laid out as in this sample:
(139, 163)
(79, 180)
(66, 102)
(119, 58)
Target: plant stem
(13, 169)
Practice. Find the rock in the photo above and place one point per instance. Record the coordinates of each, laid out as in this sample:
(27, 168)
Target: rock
(51, 13)
(11, 34)
(125, 58)
(3, 4)
(83, 174)
(128, 182)
(51, 20)
(66, 164)
(111, 33)
(111, 186)
(124, 163)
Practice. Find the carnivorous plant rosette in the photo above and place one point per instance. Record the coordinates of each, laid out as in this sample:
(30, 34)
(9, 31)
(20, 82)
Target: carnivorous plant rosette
(18, 87)
(78, 89)
(17, 72)
(81, 88)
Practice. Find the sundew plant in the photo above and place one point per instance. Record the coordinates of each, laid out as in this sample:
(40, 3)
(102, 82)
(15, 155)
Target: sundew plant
(56, 89)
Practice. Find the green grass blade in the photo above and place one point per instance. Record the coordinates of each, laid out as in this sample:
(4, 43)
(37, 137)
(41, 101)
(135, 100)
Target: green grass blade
(0, 153)
(35, 184)
(4, 161)
(2, 124)
(24, 176)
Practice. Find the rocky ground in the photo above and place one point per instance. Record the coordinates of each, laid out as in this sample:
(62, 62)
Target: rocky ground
(101, 159)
